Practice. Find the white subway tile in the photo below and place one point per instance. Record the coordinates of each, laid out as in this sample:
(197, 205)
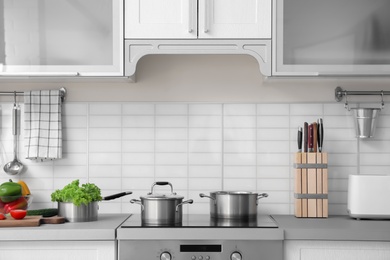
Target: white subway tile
(374, 146)
(175, 146)
(205, 184)
(240, 171)
(343, 159)
(273, 121)
(171, 109)
(338, 122)
(341, 172)
(111, 146)
(239, 147)
(139, 186)
(108, 183)
(239, 134)
(105, 109)
(205, 109)
(239, 122)
(205, 121)
(383, 121)
(205, 158)
(138, 109)
(273, 184)
(171, 171)
(137, 158)
(205, 146)
(335, 110)
(77, 172)
(376, 159)
(138, 133)
(132, 146)
(273, 109)
(72, 159)
(341, 146)
(273, 134)
(101, 171)
(342, 134)
(239, 109)
(199, 171)
(132, 171)
(138, 121)
(74, 134)
(306, 109)
(105, 121)
(104, 134)
(171, 133)
(37, 170)
(239, 184)
(202, 134)
(74, 109)
(268, 159)
(104, 158)
(171, 121)
(374, 169)
(272, 146)
(73, 122)
(240, 159)
(171, 158)
(273, 171)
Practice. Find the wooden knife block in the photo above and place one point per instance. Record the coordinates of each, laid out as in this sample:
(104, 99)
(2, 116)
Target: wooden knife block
(311, 185)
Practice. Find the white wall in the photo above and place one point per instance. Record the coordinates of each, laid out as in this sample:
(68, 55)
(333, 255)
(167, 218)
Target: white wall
(247, 127)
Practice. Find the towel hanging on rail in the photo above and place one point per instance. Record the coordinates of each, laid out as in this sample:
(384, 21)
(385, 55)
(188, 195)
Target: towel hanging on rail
(43, 124)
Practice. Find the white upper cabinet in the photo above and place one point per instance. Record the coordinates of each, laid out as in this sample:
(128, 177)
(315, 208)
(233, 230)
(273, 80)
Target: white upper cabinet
(61, 38)
(179, 19)
(333, 37)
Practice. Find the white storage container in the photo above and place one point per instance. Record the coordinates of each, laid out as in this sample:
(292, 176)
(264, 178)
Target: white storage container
(369, 196)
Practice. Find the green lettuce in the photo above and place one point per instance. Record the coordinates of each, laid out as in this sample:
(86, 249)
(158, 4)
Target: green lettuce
(77, 194)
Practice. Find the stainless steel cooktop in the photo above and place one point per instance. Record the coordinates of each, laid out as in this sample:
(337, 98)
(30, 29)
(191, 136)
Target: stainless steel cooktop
(204, 221)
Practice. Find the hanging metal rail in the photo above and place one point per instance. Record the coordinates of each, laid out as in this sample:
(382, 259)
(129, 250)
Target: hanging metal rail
(21, 93)
(340, 93)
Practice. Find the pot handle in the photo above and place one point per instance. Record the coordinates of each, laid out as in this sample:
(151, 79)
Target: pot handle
(134, 201)
(260, 196)
(162, 183)
(184, 202)
(118, 195)
(202, 195)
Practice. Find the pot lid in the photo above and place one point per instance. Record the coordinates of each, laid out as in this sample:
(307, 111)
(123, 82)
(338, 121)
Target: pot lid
(162, 197)
(233, 192)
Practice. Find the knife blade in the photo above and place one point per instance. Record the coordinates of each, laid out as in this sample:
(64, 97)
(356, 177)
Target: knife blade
(299, 138)
(320, 131)
(310, 136)
(305, 136)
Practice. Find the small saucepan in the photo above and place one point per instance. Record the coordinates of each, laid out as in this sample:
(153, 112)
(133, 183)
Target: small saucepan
(84, 213)
(161, 209)
(237, 205)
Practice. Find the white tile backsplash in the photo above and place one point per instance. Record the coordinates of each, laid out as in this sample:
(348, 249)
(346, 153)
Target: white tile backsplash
(199, 147)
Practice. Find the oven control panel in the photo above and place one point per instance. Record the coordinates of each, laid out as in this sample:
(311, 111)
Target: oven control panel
(200, 250)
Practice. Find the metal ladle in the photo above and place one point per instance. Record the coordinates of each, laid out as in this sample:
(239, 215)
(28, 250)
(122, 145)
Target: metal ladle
(14, 167)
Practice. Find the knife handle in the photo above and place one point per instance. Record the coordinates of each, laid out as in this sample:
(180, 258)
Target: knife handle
(305, 136)
(320, 134)
(299, 139)
(315, 137)
(310, 141)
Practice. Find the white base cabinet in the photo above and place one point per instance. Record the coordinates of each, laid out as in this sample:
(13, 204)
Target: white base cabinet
(336, 250)
(59, 250)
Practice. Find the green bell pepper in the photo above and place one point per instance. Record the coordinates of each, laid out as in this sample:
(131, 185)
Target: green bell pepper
(10, 191)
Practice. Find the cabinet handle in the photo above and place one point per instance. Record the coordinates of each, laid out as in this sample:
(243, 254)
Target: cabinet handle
(206, 16)
(190, 16)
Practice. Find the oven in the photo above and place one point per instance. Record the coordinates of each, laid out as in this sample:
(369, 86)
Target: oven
(200, 237)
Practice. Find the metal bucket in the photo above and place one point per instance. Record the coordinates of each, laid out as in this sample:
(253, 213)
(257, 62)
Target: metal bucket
(365, 121)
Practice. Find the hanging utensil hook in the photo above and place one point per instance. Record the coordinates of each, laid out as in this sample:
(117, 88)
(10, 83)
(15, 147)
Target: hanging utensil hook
(382, 103)
(346, 101)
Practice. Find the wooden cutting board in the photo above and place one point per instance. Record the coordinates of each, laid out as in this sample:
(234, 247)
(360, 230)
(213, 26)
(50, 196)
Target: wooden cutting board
(31, 221)
(28, 221)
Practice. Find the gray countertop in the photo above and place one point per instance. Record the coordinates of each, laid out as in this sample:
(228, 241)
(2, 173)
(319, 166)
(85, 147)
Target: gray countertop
(105, 229)
(102, 229)
(333, 228)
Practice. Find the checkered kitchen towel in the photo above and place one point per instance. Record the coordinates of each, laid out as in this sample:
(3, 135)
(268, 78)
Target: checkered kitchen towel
(43, 125)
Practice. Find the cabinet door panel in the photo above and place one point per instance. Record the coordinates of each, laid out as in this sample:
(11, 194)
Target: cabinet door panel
(160, 19)
(61, 37)
(234, 19)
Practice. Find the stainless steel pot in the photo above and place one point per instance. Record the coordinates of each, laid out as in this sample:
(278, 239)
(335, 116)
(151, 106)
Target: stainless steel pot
(161, 209)
(84, 213)
(239, 205)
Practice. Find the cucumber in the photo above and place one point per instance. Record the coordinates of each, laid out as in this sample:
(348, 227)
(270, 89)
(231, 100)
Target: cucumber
(48, 212)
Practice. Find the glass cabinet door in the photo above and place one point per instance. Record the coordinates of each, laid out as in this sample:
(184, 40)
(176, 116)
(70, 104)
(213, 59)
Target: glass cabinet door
(332, 37)
(61, 37)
